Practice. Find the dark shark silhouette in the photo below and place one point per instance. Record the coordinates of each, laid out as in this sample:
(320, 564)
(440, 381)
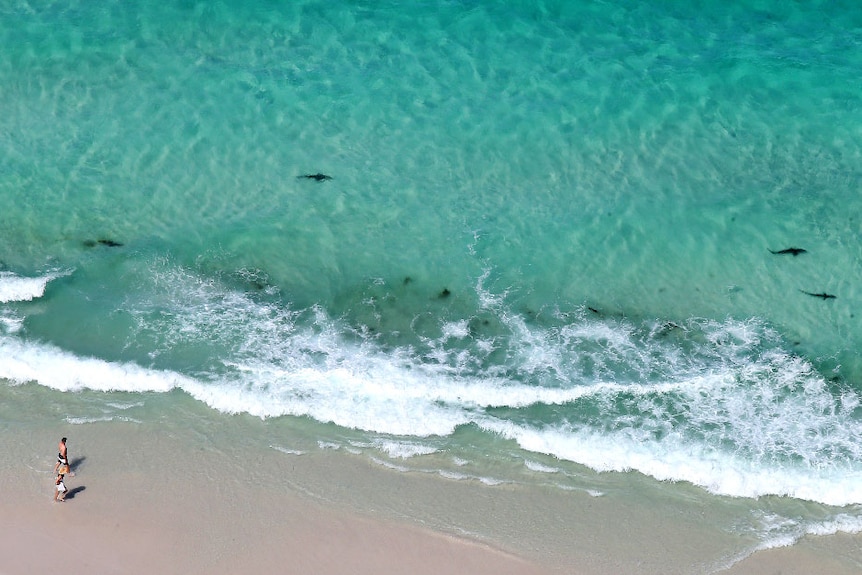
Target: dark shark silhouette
(319, 177)
(102, 242)
(110, 243)
(823, 295)
(792, 251)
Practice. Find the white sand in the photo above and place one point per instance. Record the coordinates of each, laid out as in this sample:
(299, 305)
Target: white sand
(142, 514)
(151, 501)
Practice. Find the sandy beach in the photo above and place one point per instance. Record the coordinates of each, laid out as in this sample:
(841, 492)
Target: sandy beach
(133, 516)
(155, 501)
(192, 536)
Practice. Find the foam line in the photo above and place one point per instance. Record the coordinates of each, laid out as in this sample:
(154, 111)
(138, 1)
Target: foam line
(16, 288)
(52, 367)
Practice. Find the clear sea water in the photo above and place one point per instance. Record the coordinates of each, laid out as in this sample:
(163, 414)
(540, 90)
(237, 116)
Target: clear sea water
(546, 238)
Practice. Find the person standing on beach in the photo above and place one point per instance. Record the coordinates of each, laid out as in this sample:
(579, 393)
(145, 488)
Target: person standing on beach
(62, 456)
(60, 491)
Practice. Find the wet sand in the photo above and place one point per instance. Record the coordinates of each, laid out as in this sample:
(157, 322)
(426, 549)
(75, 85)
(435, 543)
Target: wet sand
(149, 511)
(149, 500)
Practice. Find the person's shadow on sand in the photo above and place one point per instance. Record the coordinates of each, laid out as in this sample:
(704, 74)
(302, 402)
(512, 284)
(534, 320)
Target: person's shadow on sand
(72, 492)
(76, 463)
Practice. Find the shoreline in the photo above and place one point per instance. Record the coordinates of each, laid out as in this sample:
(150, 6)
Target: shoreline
(136, 518)
(151, 497)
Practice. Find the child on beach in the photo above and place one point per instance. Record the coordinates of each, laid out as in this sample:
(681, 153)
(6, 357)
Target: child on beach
(60, 492)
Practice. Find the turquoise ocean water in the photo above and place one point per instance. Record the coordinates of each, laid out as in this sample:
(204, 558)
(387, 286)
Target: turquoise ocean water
(546, 236)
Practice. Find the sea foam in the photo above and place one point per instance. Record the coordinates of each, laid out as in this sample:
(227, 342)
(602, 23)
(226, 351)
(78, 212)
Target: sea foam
(17, 288)
(721, 405)
(23, 362)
